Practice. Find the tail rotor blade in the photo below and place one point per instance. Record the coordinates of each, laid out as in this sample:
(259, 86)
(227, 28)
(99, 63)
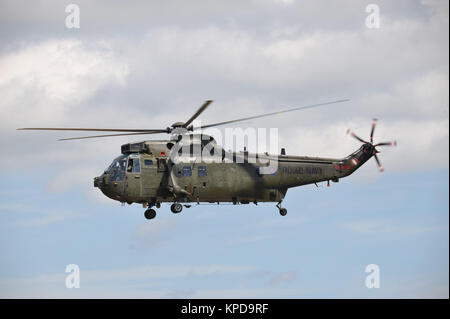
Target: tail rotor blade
(374, 124)
(356, 136)
(380, 167)
(394, 143)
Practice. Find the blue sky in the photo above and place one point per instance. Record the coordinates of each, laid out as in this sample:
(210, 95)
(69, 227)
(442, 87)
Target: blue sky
(136, 65)
(320, 249)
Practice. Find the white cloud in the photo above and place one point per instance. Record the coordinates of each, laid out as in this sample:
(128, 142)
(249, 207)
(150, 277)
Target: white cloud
(397, 73)
(313, 60)
(60, 69)
(419, 142)
(43, 81)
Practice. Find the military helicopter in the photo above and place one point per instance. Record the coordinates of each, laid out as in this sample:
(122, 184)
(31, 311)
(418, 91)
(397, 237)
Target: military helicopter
(192, 168)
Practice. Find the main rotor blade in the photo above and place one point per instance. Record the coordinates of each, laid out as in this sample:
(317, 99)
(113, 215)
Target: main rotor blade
(91, 129)
(274, 113)
(108, 135)
(196, 114)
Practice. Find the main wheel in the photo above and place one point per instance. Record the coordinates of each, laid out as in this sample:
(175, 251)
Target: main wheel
(176, 208)
(150, 213)
(283, 211)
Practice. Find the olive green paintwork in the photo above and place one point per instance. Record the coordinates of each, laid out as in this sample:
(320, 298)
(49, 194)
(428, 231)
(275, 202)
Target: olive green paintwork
(232, 179)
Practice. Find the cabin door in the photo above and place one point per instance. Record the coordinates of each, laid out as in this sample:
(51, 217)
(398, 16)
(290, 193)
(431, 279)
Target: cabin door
(133, 177)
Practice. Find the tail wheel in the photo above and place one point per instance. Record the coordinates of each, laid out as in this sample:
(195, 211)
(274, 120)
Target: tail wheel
(176, 208)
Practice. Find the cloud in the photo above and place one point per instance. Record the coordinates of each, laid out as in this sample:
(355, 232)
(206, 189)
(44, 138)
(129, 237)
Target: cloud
(283, 278)
(416, 139)
(391, 226)
(121, 81)
(324, 60)
(97, 282)
(398, 73)
(43, 81)
(150, 64)
(285, 2)
(29, 216)
(59, 69)
(46, 84)
(156, 233)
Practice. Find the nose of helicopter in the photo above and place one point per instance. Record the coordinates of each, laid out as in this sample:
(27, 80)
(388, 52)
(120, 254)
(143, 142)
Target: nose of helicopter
(98, 181)
(101, 181)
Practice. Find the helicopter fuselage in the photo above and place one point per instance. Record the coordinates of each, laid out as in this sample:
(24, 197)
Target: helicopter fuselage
(149, 177)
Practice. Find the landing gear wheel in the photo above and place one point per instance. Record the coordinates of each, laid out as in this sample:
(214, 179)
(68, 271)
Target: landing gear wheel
(176, 208)
(283, 211)
(150, 213)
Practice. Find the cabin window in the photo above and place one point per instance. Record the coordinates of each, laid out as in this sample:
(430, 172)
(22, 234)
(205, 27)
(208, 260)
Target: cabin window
(133, 165)
(202, 171)
(187, 171)
(148, 162)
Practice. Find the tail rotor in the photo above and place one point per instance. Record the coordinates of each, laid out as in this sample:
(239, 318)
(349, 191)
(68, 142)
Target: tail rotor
(371, 143)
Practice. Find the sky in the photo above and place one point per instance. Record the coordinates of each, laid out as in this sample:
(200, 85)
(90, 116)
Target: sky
(139, 64)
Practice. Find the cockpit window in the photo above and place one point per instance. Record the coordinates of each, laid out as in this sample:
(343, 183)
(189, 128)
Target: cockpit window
(117, 168)
(119, 163)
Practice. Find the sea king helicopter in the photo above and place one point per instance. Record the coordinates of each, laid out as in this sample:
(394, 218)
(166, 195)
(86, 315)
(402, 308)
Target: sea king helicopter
(191, 167)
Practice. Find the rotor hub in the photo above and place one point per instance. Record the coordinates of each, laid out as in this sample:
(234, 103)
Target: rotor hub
(177, 124)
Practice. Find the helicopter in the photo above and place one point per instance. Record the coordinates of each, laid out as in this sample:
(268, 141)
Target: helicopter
(192, 167)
